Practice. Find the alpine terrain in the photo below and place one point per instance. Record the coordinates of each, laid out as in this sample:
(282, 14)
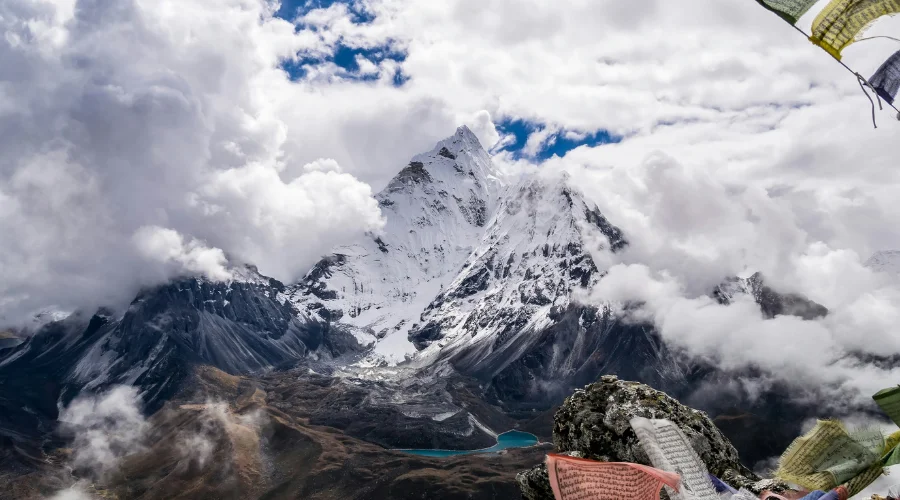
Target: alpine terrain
(460, 320)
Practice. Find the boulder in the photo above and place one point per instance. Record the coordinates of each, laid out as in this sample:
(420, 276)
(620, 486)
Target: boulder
(594, 423)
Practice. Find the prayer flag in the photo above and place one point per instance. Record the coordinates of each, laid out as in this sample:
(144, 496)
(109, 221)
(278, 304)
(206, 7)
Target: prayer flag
(577, 478)
(887, 83)
(861, 481)
(889, 399)
(670, 450)
(828, 456)
(838, 25)
(789, 10)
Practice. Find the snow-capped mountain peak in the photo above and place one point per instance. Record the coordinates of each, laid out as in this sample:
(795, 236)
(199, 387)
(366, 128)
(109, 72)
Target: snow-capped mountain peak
(519, 280)
(473, 273)
(471, 268)
(436, 209)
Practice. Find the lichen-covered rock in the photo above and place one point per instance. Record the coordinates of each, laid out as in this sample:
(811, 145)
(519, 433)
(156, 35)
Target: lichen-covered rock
(594, 423)
(535, 483)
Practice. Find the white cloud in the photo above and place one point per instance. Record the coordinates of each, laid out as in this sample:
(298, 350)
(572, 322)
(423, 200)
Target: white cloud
(74, 492)
(105, 428)
(168, 247)
(745, 147)
(809, 353)
(145, 139)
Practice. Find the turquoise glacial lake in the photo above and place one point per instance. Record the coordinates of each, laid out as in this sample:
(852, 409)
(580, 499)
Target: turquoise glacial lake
(511, 439)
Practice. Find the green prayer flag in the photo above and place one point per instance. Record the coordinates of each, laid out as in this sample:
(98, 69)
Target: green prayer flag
(789, 10)
(889, 402)
(891, 458)
(891, 453)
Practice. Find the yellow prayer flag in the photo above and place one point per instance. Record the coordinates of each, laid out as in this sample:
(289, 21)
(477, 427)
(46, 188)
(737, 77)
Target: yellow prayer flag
(828, 456)
(891, 453)
(864, 479)
(891, 441)
(839, 24)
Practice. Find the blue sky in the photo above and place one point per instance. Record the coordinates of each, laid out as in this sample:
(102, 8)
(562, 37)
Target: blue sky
(290, 8)
(345, 57)
(557, 144)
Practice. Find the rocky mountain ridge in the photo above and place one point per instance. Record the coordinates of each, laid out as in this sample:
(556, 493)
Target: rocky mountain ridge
(241, 326)
(458, 321)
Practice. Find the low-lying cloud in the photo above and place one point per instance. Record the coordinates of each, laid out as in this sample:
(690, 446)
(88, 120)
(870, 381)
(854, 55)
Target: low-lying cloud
(108, 429)
(689, 231)
(104, 429)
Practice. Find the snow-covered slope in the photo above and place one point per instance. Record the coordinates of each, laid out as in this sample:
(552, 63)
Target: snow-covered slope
(478, 273)
(529, 260)
(436, 210)
(511, 317)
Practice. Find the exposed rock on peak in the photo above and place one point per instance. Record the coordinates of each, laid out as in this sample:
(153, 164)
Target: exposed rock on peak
(412, 174)
(446, 153)
(594, 423)
(771, 302)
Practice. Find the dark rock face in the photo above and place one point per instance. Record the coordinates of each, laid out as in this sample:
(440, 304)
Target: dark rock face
(446, 153)
(582, 344)
(382, 246)
(474, 210)
(314, 281)
(771, 302)
(238, 327)
(615, 235)
(424, 336)
(594, 423)
(414, 173)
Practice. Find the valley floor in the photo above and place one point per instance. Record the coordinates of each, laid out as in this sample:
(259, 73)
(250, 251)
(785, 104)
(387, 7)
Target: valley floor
(294, 435)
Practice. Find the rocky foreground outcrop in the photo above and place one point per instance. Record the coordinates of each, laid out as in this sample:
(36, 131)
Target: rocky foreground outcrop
(594, 423)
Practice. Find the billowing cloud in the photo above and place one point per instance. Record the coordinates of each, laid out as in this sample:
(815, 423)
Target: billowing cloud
(689, 230)
(168, 247)
(743, 147)
(143, 140)
(104, 429)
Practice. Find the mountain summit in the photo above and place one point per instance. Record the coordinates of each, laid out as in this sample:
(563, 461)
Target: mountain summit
(476, 272)
(436, 209)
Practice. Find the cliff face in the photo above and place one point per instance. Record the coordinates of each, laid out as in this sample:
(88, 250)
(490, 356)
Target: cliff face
(594, 423)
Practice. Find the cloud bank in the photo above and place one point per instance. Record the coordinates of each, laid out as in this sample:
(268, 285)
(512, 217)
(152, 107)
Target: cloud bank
(689, 230)
(143, 140)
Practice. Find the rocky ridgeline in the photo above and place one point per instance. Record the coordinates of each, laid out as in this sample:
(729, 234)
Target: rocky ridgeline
(594, 423)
